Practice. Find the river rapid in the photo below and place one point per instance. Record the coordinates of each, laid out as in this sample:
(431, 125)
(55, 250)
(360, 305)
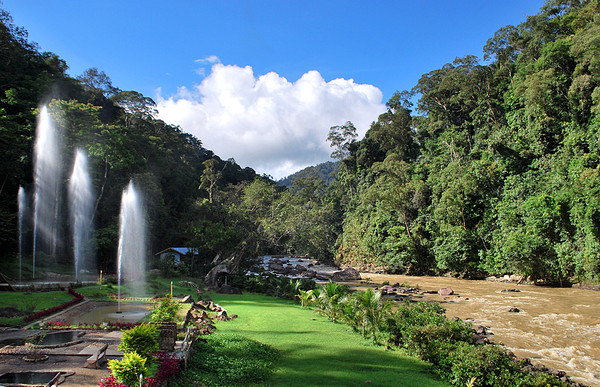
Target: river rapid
(557, 327)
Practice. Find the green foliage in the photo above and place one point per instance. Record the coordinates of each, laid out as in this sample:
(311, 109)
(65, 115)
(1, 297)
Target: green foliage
(128, 370)
(496, 175)
(142, 339)
(166, 311)
(273, 285)
(328, 299)
(422, 327)
(365, 312)
(228, 360)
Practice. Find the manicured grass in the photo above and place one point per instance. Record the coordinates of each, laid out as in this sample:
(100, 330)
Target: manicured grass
(316, 352)
(30, 302)
(154, 287)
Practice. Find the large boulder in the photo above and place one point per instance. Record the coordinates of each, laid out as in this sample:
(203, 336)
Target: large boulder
(348, 274)
(276, 267)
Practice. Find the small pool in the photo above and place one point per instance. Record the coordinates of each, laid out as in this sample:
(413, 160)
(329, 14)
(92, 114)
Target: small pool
(28, 378)
(61, 339)
(51, 340)
(130, 313)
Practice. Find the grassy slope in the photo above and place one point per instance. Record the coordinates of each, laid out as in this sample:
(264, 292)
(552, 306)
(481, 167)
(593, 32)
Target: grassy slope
(314, 350)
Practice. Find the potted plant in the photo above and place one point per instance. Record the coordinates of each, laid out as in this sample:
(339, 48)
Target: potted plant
(165, 317)
(32, 346)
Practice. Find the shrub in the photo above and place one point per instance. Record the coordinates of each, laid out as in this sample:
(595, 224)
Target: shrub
(416, 326)
(228, 360)
(127, 370)
(166, 310)
(142, 339)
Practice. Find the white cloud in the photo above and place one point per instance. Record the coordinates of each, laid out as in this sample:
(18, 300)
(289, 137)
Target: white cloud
(268, 123)
(211, 59)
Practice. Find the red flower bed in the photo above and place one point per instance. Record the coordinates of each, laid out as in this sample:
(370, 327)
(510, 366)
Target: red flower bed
(54, 309)
(168, 367)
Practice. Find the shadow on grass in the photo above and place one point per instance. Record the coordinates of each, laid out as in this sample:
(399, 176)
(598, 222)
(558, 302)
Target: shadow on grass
(351, 368)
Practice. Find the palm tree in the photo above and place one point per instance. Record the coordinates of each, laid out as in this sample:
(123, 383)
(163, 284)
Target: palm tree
(306, 297)
(371, 312)
(329, 299)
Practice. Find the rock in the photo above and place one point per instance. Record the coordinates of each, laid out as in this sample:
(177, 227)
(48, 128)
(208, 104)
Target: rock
(405, 290)
(310, 265)
(222, 316)
(387, 289)
(396, 285)
(514, 309)
(445, 292)
(300, 268)
(276, 267)
(310, 274)
(233, 316)
(187, 300)
(510, 291)
(348, 274)
(227, 289)
(323, 276)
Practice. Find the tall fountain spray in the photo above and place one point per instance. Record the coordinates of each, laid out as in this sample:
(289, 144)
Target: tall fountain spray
(22, 199)
(47, 175)
(131, 255)
(81, 209)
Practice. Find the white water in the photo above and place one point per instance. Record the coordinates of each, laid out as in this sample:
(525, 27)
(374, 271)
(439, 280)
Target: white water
(22, 199)
(47, 175)
(81, 209)
(131, 255)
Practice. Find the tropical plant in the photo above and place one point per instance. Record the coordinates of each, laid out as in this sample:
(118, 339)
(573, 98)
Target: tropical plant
(329, 299)
(142, 339)
(369, 312)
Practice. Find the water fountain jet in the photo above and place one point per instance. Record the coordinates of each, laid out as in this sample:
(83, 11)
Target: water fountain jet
(131, 252)
(22, 199)
(47, 175)
(81, 206)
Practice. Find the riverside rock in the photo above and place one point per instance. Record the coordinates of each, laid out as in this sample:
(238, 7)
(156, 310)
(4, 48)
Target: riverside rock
(445, 292)
(348, 274)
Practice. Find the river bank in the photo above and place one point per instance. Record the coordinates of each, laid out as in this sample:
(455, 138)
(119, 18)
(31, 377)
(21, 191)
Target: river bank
(557, 327)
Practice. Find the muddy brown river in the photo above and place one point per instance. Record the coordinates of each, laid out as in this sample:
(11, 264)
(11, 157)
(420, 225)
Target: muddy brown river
(557, 327)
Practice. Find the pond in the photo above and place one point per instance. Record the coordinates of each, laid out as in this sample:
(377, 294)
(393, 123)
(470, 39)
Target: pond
(28, 378)
(130, 313)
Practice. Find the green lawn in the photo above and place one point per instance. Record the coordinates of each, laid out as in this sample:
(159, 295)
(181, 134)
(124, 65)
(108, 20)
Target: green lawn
(315, 351)
(29, 303)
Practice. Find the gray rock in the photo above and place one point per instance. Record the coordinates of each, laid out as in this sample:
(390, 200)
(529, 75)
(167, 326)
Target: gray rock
(348, 274)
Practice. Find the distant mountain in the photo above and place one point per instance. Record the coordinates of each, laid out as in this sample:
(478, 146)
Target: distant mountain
(326, 171)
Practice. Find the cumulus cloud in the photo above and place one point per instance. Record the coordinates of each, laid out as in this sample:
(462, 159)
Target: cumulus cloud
(268, 123)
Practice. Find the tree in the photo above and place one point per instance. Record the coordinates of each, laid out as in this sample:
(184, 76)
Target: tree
(341, 138)
(97, 81)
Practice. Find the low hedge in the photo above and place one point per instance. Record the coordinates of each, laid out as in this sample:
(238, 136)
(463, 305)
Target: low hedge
(77, 297)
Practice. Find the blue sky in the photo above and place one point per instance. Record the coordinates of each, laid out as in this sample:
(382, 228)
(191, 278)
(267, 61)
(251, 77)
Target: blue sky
(205, 62)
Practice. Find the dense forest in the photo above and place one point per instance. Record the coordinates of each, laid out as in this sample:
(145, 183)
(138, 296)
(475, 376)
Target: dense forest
(495, 169)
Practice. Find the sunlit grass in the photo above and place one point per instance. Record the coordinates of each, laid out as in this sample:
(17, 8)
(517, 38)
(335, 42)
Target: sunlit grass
(315, 351)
